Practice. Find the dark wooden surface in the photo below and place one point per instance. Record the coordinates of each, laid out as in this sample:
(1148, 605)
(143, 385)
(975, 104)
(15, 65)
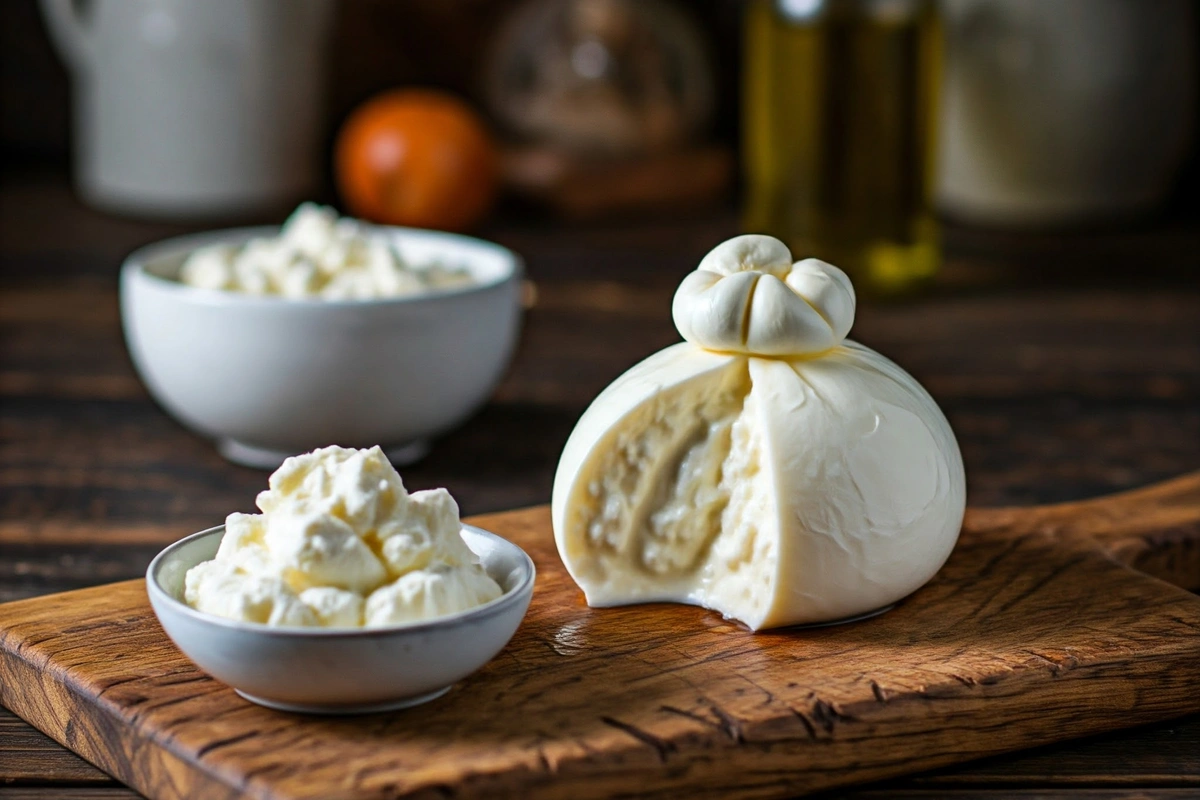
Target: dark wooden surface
(1069, 366)
(1031, 633)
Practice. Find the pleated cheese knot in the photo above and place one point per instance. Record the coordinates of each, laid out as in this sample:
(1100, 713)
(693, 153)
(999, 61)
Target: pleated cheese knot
(747, 296)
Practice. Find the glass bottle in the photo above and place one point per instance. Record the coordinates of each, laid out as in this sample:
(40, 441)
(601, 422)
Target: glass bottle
(840, 104)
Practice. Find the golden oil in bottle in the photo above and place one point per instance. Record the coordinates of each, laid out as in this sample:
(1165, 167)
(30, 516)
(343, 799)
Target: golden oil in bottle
(838, 133)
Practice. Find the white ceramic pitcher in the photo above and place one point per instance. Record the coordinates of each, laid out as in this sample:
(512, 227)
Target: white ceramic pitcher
(194, 107)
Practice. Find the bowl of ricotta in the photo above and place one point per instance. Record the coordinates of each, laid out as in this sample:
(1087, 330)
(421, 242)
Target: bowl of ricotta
(347, 594)
(273, 341)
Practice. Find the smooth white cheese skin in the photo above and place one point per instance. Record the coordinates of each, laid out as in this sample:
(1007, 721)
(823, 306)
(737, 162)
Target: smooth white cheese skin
(337, 526)
(317, 255)
(777, 491)
(868, 479)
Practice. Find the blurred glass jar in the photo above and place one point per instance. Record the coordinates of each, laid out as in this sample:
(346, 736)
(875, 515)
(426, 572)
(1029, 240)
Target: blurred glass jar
(838, 133)
(605, 78)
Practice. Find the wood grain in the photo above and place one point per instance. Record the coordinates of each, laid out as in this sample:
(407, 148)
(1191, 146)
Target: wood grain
(1163, 755)
(29, 756)
(1031, 633)
(1155, 530)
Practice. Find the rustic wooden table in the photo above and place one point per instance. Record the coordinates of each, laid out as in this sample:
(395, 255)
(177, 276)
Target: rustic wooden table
(1069, 366)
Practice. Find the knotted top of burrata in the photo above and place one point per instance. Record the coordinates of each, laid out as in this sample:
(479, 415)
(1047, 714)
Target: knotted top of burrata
(748, 296)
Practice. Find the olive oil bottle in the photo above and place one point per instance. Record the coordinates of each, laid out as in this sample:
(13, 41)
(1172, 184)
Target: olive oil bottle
(838, 133)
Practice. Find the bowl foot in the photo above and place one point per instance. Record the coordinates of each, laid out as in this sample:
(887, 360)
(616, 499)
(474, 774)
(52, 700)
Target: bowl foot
(405, 454)
(365, 708)
(248, 455)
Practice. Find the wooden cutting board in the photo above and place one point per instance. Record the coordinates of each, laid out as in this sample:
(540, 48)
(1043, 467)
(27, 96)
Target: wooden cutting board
(1047, 623)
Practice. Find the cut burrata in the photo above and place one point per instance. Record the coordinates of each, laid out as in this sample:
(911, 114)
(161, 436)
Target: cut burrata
(766, 468)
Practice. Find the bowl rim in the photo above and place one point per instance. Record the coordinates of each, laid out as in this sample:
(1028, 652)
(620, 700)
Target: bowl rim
(134, 267)
(513, 596)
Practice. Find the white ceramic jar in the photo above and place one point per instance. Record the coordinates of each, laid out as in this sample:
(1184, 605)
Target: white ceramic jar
(1063, 111)
(187, 108)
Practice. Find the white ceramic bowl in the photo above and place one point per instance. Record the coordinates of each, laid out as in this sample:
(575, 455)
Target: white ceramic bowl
(342, 671)
(268, 377)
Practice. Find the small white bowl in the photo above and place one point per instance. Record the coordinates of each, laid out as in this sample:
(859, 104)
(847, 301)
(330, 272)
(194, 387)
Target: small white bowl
(348, 670)
(268, 377)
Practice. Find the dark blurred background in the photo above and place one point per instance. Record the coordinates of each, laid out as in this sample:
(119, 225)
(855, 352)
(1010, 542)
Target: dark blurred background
(378, 45)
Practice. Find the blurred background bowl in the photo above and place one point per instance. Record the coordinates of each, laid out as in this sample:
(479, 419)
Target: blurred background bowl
(268, 377)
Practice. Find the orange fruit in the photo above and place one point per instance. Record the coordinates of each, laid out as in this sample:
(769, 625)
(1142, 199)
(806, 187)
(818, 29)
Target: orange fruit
(416, 157)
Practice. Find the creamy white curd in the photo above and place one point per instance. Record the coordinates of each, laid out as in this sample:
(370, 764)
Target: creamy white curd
(341, 543)
(318, 255)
